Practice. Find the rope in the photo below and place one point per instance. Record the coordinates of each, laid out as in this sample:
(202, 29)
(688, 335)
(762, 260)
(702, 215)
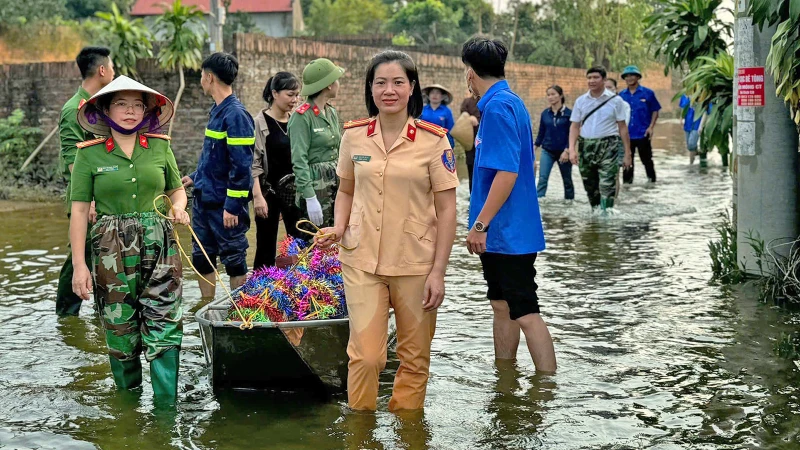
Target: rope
(189, 260)
(247, 322)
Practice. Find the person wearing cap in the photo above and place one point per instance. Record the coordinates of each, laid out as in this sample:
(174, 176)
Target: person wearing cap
(137, 267)
(223, 179)
(644, 115)
(396, 221)
(315, 134)
(436, 99)
(97, 70)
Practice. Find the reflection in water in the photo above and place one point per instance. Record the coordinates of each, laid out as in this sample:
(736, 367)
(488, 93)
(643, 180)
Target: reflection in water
(517, 406)
(650, 354)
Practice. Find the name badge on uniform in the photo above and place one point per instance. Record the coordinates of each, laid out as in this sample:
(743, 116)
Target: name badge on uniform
(319, 130)
(363, 158)
(107, 169)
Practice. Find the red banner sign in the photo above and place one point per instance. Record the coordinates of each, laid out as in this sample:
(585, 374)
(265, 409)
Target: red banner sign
(751, 86)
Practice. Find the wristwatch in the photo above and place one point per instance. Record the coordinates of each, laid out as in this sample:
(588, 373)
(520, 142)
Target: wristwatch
(480, 227)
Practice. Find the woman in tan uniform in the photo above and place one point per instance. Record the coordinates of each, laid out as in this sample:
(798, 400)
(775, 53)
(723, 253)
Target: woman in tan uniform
(396, 216)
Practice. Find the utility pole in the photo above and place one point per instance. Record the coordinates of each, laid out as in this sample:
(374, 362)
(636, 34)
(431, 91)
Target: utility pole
(216, 23)
(766, 147)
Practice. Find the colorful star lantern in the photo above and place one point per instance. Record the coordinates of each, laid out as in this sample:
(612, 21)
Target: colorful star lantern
(312, 289)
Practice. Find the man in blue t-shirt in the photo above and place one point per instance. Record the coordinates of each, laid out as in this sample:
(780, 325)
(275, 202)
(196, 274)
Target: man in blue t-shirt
(644, 115)
(692, 124)
(504, 220)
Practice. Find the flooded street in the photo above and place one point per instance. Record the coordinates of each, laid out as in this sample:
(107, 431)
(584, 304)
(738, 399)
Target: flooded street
(651, 355)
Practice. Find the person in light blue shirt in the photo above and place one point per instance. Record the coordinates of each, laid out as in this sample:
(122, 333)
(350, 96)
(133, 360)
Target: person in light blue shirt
(692, 124)
(436, 111)
(504, 219)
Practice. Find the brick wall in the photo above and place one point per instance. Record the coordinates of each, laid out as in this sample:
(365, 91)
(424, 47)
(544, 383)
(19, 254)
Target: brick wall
(40, 89)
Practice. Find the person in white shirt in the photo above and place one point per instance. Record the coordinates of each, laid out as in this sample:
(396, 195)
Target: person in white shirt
(598, 124)
(611, 85)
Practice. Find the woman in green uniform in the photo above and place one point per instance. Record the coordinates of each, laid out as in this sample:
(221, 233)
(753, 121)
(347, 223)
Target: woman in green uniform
(137, 267)
(315, 133)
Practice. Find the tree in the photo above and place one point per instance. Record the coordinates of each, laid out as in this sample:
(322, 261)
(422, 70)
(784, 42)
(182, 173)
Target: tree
(238, 22)
(576, 34)
(20, 13)
(79, 9)
(185, 30)
(329, 17)
(129, 39)
(783, 61)
(684, 30)
(710, 83)
(428, 21)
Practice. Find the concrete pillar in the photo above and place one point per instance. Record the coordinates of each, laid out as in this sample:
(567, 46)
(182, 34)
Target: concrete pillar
(767, 201)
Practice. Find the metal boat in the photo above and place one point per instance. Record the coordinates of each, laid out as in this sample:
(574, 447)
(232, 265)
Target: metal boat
(309, 356)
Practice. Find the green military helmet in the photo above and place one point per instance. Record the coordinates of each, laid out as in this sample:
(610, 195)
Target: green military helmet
(631, 70)
(319, 74)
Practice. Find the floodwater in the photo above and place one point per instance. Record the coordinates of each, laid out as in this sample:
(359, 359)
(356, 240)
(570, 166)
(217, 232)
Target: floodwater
(651, 355)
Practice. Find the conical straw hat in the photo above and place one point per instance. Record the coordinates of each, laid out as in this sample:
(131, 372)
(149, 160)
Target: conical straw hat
(93, 121)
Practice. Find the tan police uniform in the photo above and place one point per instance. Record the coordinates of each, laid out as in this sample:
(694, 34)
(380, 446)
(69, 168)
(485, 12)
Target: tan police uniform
(388, 251)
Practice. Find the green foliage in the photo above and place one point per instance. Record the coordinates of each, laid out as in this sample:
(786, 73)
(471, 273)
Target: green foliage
(184, 29)
(21, 13)
(724, 267)
(403, 40)
(80, 9)
(783, 61)
(129, 39)
(238, 22)
(788, 346)
(342, 17)
(684, 30)
(428, 21)
(711, 83)
(17, 141)
(577, 34)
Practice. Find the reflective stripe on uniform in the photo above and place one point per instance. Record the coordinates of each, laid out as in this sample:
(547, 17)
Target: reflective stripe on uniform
(237, 194)
(241, 141)
(216, 134)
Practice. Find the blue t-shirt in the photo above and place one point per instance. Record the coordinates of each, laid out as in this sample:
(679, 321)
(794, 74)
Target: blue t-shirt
(441, 116)
(690, 123)
(505, 143)
(643, 103)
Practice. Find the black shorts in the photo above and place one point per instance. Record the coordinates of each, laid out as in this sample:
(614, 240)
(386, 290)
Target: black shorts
(512, 278)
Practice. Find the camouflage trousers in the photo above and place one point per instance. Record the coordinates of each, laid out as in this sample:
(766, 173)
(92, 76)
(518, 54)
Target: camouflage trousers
(139, 284)
(598, 160)
(326, 184)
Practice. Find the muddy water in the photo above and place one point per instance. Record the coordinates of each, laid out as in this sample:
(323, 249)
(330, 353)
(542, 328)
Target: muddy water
(650, 354)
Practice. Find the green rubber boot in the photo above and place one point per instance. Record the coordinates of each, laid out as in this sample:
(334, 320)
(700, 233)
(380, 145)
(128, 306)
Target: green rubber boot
(606, 203)
(164, 374)
(127, 374)
(703, 160)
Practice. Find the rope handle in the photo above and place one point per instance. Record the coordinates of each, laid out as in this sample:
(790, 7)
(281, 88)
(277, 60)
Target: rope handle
(245, 323)
(320, 234)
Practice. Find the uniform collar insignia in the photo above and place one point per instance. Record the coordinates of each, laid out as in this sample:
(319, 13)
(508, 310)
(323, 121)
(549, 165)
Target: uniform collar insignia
(316, 110)
(371, 127)
(411, 134)
(143, 141)
(109, 145)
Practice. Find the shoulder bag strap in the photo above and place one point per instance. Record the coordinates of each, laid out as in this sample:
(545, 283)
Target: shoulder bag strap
(598, 107)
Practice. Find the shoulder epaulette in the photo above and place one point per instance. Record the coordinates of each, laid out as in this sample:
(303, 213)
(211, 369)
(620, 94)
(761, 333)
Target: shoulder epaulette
(356, 123)
(303, 108)
(432, 128)
(157, 136)
(90, 142)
